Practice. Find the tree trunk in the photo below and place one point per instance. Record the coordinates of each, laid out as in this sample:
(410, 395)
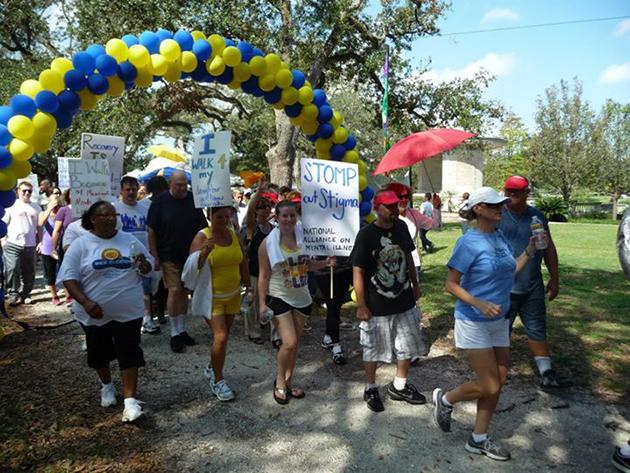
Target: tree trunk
(615, 205)
(281, 157)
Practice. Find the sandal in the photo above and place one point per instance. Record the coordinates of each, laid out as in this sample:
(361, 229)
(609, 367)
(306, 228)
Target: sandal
(297, 393)
(283, 391)
(256, 340)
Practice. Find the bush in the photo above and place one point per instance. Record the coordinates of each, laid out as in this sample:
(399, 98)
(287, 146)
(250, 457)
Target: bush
(554, 208)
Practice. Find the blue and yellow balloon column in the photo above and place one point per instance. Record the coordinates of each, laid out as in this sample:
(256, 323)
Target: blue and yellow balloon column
(44, 105)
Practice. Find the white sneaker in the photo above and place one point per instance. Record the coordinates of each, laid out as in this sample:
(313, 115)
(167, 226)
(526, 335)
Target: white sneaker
(84, 345)
(132, 411)
(108, 395)
(150, 327)
(222, 391)
(208, 372)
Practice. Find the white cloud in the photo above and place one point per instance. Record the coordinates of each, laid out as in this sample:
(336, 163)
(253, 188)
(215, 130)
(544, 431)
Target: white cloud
(615, 73)
(622, 28)
(499, 14)
(495, 63)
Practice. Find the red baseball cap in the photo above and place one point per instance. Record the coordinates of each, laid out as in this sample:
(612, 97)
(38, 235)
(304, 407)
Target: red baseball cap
(385, 198)
(517, 183)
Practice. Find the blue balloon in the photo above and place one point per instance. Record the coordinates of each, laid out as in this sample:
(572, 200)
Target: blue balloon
(2, 212)
(365, 208)
(298, 78)
(95, 50)
(184, 39)
(337, 152)
(229, 42)
(130, 85)
(3, 229)
(6, 113)
(325, 114)
(293, 111)
(64, 118)
(75, 80)
(319, 97)
(273, 96)
(226, 77)
(7, 198)
(325, 130)
(69, 101)
(247, 86)
(126, 71)
(199, 74)
(151, 41)
(97, 84)
(83, 62)
(250, 86)
(367, 193)
(258, 52)
(312, 138)
(47, 101)
(130, 40)
(23, 105)
(202, 49)
(163, 34)
(247, 51)
(106, 65)
(5, 136)
(5, 158)
(350, 143)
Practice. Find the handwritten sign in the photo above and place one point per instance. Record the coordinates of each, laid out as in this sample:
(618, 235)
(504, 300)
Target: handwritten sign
(89, 183)
(210, 170)
(111, 148)
(63, 173)
(330, 206)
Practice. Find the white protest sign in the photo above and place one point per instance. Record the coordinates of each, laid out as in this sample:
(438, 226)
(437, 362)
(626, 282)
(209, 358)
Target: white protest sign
(63, 173)
(330, 206)
(111, 148)
(210, 170)
(89, 183)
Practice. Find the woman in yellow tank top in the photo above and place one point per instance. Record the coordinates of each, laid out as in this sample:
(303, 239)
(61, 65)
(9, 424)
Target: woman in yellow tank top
(220, 247)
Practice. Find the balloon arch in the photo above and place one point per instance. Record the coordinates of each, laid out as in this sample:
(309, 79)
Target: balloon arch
(30, 120)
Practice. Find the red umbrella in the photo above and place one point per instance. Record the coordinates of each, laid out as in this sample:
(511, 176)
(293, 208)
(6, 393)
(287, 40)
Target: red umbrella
(420, 146)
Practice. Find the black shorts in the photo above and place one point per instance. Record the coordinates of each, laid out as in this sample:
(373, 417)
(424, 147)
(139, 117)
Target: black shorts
(114, 341)
(280, 307)
(50, 269)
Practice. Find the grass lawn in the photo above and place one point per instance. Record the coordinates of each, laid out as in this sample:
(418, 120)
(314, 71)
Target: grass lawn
(589, 322)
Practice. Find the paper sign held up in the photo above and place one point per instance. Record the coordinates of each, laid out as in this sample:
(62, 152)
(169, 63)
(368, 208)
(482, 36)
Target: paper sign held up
(111, 148)
(210, 170)
(89, 183)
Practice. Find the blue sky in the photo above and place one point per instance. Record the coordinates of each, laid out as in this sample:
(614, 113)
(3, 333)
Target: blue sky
(528, 61)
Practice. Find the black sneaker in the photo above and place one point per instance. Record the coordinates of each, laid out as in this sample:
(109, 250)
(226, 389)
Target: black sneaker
(187, 339)
(408, 394)
(327, 342)
(487, 448)
(177, 344)
(549, 380)
(373, 400)
(441, 412)
(338, 357)
(620, 462)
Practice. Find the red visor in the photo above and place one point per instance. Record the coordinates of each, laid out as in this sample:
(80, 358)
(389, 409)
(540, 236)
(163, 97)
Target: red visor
(385, 198)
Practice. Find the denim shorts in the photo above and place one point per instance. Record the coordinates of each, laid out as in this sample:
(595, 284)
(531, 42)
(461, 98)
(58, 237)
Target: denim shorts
(147, 285)
(531, 308)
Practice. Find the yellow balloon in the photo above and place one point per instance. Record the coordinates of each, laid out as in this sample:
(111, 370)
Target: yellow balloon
(305, 95)
(231, 56)
(170, 50)
(369, 218)
(139, 55)
(51, 80)
(309, 112)
(218, 44)
(258, 66)
(278, 105)
(307, 84)
(21, 169)
(145, 77)
(351, 157)
(116, 86)
(284, 78)
(322, 144)
(353, 295)
(362, 168)
(174, 72)
(322, 155)
(31, 87)
(45, 124)
(289, 96)
(362, 183)
(310, 128)
(242, 72)
(216, 67)
(267, 82)
(21, 150)
(61, 65)
(273, 63)
(197, 35)
(21, 127)
(40, 143)
(234, 84)
(189, 61)
(118, 49)
(7, 180)
(340, 135)
(284, 65)
(337, 119)
(88, 100)
(159, 64)
(295, 121)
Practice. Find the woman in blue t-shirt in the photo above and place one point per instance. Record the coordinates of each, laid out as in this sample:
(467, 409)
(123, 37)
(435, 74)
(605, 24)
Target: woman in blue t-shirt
(480, 275)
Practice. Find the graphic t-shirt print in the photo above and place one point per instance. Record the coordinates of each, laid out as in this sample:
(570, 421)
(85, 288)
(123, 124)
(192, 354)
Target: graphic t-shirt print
(133, 223)
(111, 260)
(390, 278)
(502, 260)
(295, 271)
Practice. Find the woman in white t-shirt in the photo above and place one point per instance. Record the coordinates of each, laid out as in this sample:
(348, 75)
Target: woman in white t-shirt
(102, 272)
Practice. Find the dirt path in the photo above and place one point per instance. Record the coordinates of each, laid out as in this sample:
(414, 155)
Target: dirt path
(52, 421)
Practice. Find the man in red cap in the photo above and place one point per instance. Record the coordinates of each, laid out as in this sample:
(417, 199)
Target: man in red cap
(387, 289)
(528, 293)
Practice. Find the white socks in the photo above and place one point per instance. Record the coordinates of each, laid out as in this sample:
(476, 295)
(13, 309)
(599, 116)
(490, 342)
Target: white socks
(178, 325)
(400, 383)
(543, 363)
(478, 438)
(130, 401)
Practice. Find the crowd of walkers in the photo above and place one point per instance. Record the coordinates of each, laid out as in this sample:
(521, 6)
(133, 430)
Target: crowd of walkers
(126, 265)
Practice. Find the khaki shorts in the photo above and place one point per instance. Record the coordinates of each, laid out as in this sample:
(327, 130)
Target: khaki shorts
(171, 275)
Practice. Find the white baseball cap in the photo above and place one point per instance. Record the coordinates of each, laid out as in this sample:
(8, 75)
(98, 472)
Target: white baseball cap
(486, 195)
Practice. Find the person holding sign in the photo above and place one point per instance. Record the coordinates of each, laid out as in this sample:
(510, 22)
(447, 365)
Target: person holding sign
(220, 247)
(387, 290)
(284, 295)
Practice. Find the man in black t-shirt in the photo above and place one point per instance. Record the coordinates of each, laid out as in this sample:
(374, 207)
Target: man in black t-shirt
(387, 289)
(173, 221)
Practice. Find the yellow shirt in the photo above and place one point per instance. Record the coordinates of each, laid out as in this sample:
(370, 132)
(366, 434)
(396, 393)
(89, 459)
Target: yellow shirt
(225, 263)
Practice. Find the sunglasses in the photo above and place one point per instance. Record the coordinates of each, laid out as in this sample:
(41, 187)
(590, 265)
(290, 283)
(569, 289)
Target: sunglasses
(263, 206)
(27, 191)
(492, 206)
(402, 196)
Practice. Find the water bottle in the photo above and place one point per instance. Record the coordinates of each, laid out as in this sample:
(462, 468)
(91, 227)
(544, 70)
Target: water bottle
(538, 231)
(133, 253)
(266, 316)
(246, 304)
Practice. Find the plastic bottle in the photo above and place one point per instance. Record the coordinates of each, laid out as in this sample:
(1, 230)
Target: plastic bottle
(133, 253)
(246, 304)
(538, 231)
